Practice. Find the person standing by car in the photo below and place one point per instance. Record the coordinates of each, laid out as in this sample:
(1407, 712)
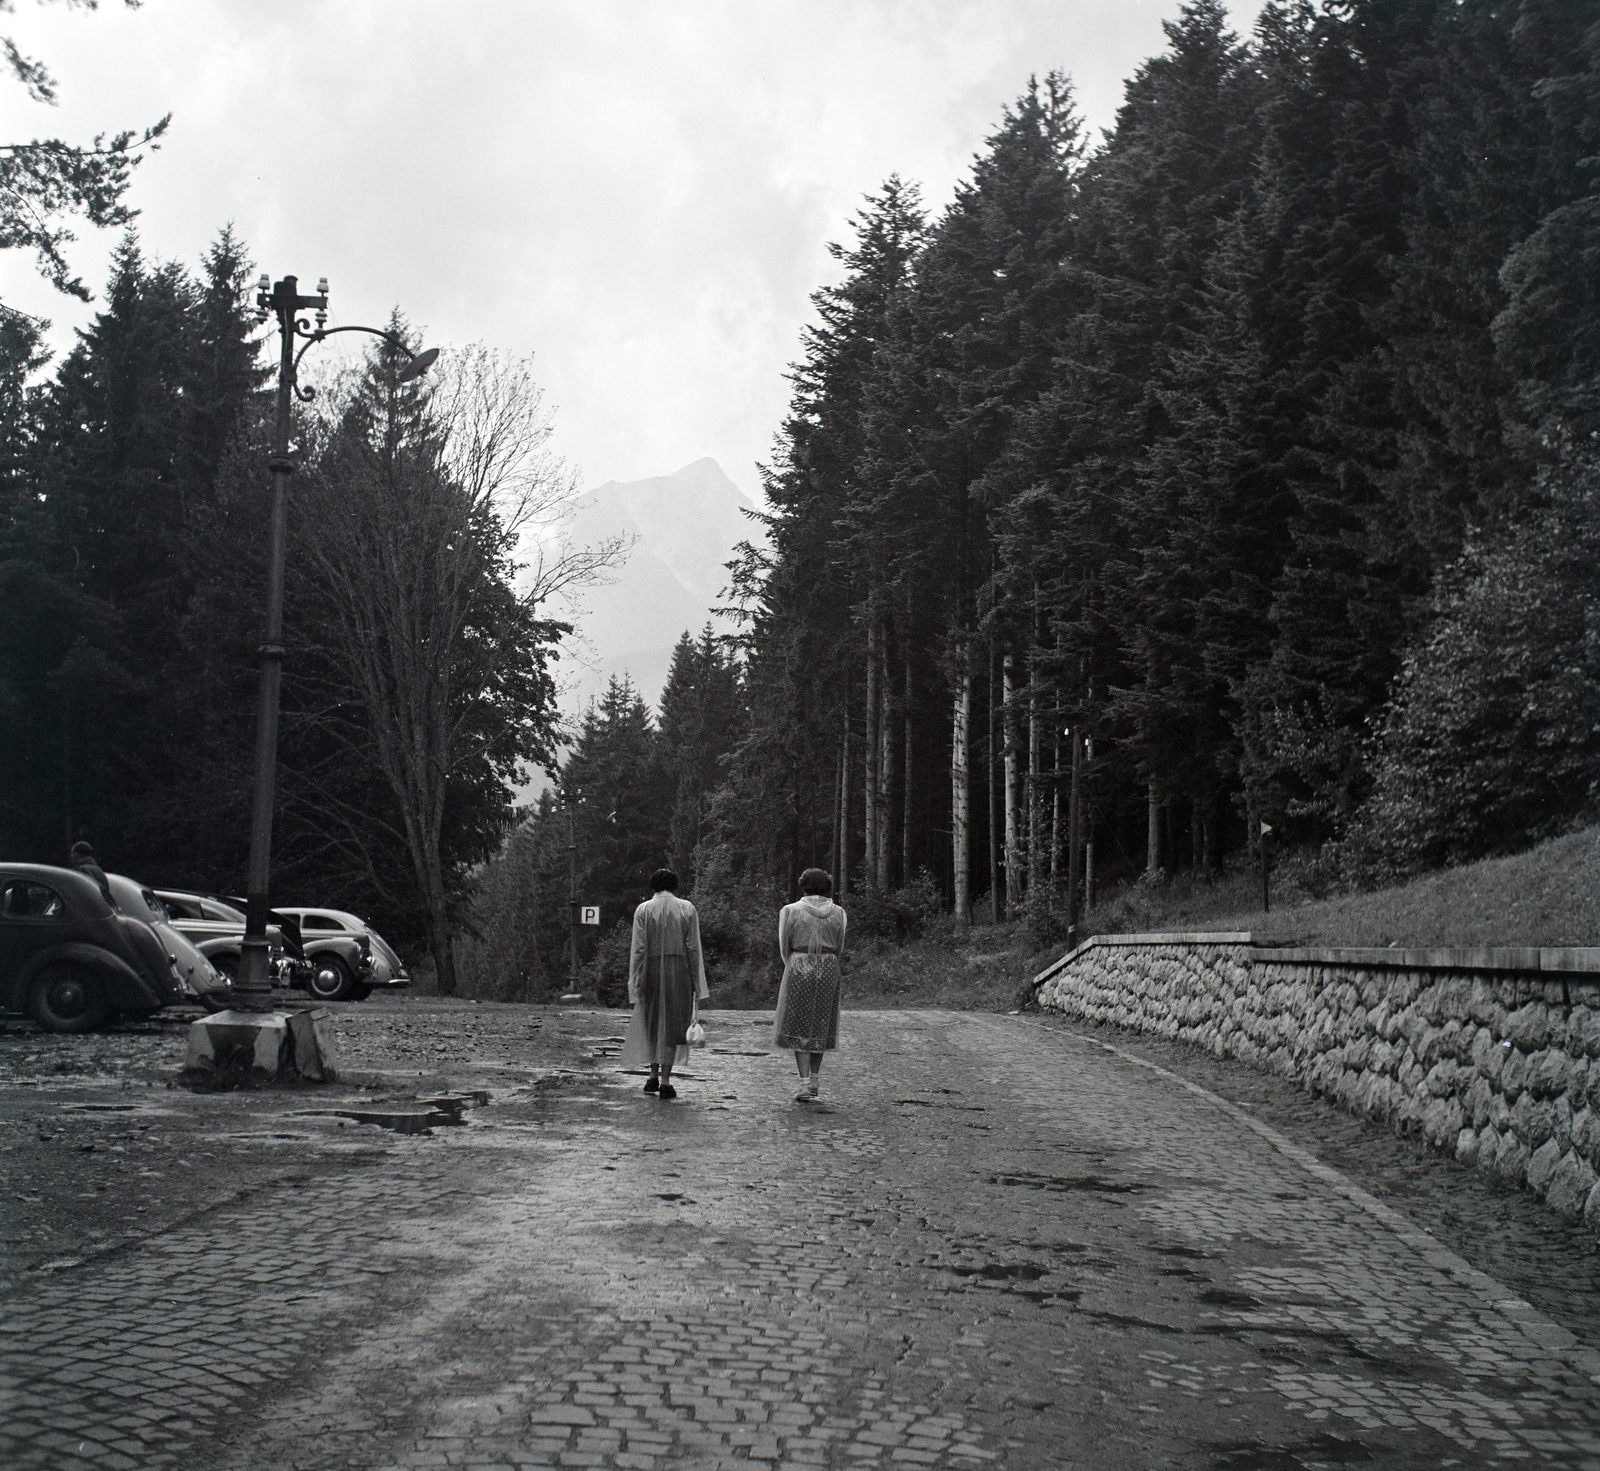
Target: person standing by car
(666, 983)
(86, 863)
(810, 943)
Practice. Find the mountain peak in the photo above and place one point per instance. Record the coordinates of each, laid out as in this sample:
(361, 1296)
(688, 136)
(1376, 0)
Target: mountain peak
(685, 526)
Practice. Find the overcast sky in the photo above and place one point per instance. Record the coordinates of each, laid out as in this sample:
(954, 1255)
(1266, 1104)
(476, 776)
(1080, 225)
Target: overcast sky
(638, 192)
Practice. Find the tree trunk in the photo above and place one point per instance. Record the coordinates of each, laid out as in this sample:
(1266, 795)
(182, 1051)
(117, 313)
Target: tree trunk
(1152, 842)
(843, 877)
(991, 769)
(905, 785)
(1035, 789)
(439, 945)
(871, 797)
(886, 772)
(960, 793)
(1055, 815)
(838, 804)
(1008, 733)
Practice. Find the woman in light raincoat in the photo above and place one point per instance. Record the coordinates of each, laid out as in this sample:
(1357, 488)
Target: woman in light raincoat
(811, 942)
(666, 983)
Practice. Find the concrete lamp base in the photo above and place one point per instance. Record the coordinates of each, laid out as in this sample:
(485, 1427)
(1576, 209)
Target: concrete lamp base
(272, 1044)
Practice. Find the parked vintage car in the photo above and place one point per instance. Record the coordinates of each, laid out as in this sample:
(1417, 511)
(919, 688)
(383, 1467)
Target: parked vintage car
(69, 959)
(200, 978)
(326, 935)
(216, 928)
(330, 965)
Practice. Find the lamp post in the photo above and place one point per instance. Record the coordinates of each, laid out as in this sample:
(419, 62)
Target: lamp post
(285, 302)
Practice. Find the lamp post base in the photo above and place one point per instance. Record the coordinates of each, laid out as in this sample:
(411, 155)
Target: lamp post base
(265, 1044)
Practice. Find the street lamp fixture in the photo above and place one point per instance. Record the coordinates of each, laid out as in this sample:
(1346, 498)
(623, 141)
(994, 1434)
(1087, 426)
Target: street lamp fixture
(284, 302)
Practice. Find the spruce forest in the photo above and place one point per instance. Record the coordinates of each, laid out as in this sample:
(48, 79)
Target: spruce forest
(1236, 469)
(1240, 464)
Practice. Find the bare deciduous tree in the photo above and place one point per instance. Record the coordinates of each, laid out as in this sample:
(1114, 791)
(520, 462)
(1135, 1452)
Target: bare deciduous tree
(433, 649)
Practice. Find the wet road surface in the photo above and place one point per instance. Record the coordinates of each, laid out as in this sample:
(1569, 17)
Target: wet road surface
(993, 1243)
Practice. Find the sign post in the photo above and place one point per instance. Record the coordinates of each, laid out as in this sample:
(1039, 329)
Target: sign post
(1266, 901)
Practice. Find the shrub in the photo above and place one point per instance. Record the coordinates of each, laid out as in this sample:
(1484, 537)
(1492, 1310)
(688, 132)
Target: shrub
(1491, 738)
(607, 974)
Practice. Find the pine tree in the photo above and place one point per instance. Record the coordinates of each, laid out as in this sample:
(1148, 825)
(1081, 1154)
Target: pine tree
(702, 717)
(621, 803)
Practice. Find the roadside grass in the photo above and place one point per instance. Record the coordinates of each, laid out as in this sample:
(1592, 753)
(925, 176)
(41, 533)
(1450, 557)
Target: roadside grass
(1549, 895)
(983, 972)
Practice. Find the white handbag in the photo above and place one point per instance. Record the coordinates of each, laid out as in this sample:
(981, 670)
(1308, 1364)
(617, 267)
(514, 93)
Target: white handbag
(696, 1035)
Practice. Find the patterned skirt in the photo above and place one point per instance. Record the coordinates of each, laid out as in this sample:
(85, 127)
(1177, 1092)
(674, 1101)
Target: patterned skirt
(808, 1004)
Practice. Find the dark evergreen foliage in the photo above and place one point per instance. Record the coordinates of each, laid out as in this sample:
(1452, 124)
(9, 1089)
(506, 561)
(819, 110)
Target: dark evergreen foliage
(1195, 429)
(133, 503)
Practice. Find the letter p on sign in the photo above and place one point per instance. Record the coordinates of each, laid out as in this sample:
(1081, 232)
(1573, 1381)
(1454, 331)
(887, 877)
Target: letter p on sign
(589, 914)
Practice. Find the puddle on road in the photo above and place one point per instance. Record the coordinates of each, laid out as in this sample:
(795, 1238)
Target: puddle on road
(1223, 1297)
(419, 1116)
(1003, 1271)
(1065, 1184)
(257, 1135)
(1325, 1450)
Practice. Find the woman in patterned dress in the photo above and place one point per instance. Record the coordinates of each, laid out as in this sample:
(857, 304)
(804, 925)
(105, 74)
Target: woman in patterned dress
(810, 941)
(666, 983)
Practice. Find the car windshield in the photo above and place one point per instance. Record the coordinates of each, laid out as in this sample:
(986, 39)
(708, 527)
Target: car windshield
(215, 909)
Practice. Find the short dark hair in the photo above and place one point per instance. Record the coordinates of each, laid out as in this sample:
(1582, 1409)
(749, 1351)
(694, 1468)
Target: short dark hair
(663, 878)
(81, 849)
(815, 881)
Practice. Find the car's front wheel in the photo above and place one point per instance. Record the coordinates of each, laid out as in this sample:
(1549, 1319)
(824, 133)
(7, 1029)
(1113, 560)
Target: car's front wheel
(331, 979)
(216, 1000)
(66, 998)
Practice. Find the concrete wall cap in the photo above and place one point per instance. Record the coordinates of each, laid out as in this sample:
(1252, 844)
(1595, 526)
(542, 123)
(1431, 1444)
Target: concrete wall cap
(1575, 959)
(1564, 959)
(1160, 937)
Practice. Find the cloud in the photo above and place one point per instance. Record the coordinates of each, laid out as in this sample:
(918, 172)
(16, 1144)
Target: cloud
(638, 193)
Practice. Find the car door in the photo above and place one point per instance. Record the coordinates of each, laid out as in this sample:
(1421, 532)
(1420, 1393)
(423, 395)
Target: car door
(32, 917)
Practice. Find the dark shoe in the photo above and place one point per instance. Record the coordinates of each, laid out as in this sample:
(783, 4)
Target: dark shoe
(668, 1091)
(652, 1084)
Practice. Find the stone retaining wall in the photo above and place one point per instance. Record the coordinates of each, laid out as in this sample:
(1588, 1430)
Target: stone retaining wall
(1493, 1054)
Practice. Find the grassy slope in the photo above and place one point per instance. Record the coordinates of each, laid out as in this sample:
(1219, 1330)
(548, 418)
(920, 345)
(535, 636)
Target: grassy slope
(1549, 895)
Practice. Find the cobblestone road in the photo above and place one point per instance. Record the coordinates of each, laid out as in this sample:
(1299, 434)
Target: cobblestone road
(992, 1244)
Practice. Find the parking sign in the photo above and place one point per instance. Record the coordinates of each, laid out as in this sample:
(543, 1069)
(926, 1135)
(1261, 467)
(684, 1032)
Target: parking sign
(589, 914)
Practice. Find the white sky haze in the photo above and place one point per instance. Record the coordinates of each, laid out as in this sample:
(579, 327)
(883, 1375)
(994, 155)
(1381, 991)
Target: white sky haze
(638, 193)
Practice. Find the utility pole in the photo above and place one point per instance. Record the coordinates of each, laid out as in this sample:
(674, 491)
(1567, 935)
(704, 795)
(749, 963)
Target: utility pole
(572, 896)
